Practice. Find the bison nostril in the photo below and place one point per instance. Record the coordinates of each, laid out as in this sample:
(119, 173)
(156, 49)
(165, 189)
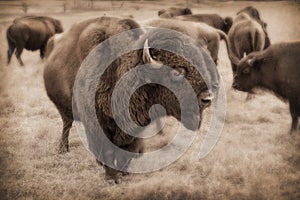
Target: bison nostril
(205, 101)
(235, 85)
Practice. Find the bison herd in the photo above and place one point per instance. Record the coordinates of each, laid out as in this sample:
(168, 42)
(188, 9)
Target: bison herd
(255, 64)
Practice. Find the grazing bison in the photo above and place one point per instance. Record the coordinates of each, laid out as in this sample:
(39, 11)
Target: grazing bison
(65, 59)
(173, 11)
(204, 34)
(247, 34)
(276, 69)
(214, 20)
(32, 33)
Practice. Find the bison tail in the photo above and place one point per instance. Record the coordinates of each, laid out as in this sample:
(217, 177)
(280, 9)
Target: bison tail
(10, 39)
(231, 55)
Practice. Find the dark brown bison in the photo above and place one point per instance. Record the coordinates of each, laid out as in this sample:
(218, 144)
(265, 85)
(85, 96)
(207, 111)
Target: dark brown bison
(275, 69)
(247, 34)
(65, 59)
(207, 36)
(31, 33)
(173, 11)
(214, 20)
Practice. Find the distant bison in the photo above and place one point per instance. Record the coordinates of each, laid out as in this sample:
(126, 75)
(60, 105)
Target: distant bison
(207, 36)
(173, 11)
(276, 69)
(68, 54)
(31, 33)
(214, 20)
(247, 34)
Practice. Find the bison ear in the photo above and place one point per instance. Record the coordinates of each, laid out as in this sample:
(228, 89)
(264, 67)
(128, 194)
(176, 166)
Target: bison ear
(255, 62)
(147, 57)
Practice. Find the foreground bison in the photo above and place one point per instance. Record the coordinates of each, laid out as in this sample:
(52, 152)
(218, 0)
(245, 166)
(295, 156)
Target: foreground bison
(214, 20)
(207, 36)
(173, 11)
(65, 59)
(31, 33)
(247, 34)
(276, 69)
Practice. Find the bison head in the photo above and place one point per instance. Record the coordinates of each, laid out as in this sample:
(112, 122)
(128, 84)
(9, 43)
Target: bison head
(186, 11)
(248, 73)
(173, 69)
(178, 70)
(227, 24)
(57, 26)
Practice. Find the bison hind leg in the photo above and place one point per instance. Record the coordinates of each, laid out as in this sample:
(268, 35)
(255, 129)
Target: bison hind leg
(10, 52)
(18, 55)
(294, 114)
(64, 141)
(250, 96)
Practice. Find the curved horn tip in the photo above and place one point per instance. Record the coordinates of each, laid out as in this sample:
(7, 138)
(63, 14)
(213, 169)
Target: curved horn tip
(146, 53)
(146, 44)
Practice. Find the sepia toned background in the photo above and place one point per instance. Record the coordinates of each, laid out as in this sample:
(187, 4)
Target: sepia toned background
(255, 158)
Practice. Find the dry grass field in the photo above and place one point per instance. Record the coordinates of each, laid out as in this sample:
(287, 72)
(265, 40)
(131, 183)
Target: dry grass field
(255, 158)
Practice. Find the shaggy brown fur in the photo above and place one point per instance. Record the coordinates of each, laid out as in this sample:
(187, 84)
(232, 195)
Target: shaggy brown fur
(276, 69)
(31, 33)
(61, 69)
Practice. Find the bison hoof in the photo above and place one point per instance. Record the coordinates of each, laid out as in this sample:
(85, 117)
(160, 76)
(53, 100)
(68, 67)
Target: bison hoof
(116, 179)
(250, 97)
(63, 149)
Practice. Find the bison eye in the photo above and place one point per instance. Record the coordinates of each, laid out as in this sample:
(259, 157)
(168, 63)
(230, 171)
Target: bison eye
(246, 70)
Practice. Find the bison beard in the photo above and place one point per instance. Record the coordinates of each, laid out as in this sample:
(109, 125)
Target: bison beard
(60, 73)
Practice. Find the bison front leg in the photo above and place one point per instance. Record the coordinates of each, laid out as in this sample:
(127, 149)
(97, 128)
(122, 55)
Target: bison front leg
(294, 114)
(64, 141)
(111, 175)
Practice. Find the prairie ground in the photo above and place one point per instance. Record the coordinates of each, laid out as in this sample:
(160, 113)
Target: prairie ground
(255, 158)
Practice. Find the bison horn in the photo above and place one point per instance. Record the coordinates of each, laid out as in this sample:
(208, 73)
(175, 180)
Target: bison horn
(147, 57)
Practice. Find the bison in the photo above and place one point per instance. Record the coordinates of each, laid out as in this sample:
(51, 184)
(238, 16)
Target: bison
(174, 11)
(214, 20)
(247, 34)
(62, 66)
(204, 34)
(275, 69)
(31, 33)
